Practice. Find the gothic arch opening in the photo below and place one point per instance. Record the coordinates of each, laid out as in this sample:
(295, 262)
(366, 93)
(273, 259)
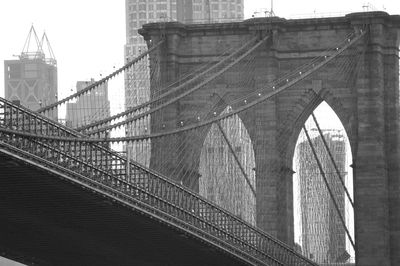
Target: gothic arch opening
(226, 168)
(323, 205)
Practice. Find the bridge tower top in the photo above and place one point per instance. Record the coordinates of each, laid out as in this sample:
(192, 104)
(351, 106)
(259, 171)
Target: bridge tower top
(367, 106)
(152, 30)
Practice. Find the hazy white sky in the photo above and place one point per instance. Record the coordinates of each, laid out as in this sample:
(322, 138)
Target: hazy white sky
(87, 36)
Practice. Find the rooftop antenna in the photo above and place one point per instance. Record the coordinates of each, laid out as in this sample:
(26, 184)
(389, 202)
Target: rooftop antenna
(369, 7)
(265, 11)
(271, 13)
(51, 59)
(365, 7)
(26, 52)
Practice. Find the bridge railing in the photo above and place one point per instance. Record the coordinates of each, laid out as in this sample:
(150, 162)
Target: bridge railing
(105, 171)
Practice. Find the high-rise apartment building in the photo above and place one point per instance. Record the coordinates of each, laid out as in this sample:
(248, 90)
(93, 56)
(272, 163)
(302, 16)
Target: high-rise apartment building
(323, 237)
(31, 80)
(90, 107)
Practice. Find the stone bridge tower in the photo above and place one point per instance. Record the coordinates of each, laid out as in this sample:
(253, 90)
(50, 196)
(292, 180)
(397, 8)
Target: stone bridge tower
(368, 108)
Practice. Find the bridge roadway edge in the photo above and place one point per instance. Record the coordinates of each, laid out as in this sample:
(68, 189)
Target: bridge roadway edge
(69, 241)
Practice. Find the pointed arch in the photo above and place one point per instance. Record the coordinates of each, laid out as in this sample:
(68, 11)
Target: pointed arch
(318, 227)
(301, 111)
(226, 168)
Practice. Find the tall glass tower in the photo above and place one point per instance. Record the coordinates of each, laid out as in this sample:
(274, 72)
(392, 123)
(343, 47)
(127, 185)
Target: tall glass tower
(323, 236)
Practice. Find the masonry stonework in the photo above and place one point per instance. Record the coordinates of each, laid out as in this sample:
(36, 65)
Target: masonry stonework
(366, 101)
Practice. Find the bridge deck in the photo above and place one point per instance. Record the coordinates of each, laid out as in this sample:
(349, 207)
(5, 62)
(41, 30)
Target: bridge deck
(55, 222)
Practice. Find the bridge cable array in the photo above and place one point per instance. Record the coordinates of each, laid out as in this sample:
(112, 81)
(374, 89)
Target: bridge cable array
(187, 136)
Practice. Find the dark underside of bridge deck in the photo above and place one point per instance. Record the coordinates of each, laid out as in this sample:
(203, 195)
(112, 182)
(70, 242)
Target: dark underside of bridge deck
(46, 220)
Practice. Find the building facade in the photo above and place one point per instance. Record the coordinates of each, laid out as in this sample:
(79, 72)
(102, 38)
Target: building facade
(31, 80)
(90, 107)
(139, 12)
(221, 178)
(323, 237)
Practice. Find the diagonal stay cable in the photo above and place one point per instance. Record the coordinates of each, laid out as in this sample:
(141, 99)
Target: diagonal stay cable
(173, 100)
(236, 157)
(240, 109)
(165, 94)
(103, 80)
(333, 160)
(256, 101)
(261, 98)
(328, 187)
(211, 110)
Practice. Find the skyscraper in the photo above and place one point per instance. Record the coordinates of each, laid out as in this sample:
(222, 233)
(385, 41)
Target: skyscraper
(31, 80)
(323, 235)
(90, 107)
(139, 12)
(221, 179)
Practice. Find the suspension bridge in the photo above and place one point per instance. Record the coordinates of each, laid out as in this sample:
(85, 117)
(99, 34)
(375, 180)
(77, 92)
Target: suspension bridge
(69, 198)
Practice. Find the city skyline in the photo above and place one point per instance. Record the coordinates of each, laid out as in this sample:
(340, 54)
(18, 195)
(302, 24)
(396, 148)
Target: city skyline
(105, 49)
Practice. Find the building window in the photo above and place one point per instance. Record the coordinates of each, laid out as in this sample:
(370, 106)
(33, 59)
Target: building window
(161, 6)
(31, 67)
(161, 15)
(173, 14)
(14, 71)
(197, 16)
(31, 71)
(142, 7)
(31, 74)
